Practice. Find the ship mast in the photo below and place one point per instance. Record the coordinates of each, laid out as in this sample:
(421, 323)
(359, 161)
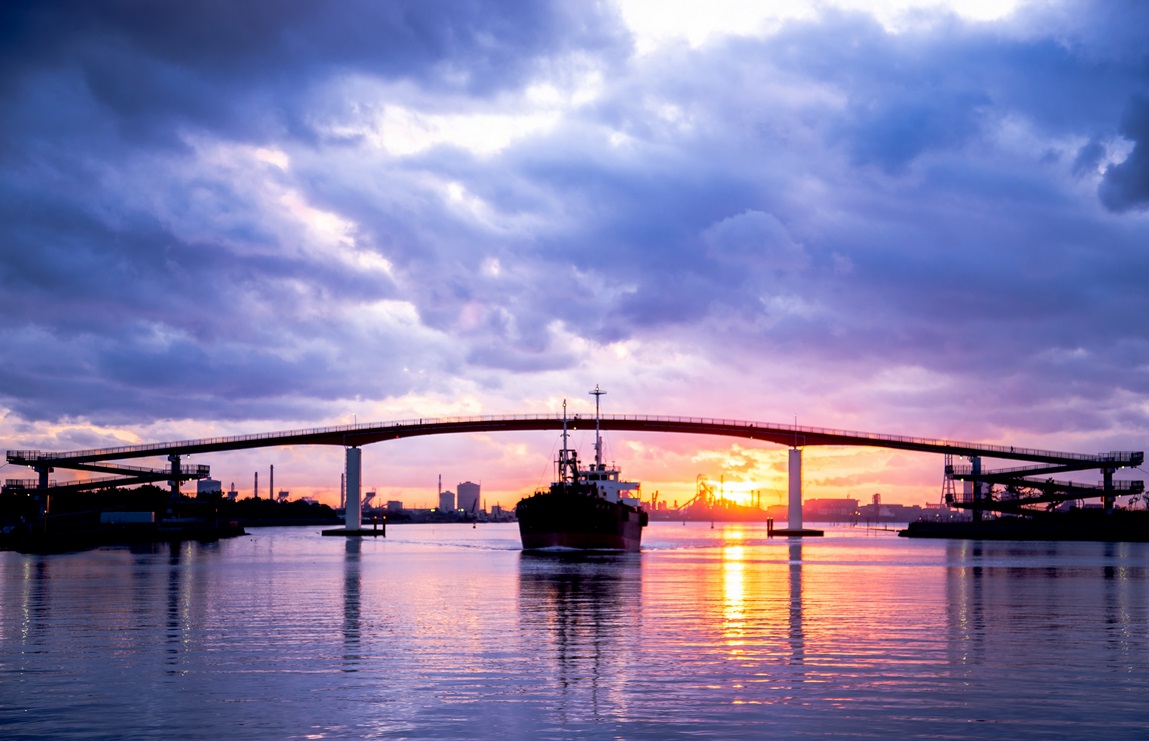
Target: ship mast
(597, 429)
(567, 465)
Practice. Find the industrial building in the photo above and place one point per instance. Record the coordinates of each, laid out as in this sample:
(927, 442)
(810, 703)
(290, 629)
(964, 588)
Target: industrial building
(468, 497)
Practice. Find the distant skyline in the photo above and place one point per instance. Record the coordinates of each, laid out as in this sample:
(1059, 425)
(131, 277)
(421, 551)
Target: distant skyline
(920, 218)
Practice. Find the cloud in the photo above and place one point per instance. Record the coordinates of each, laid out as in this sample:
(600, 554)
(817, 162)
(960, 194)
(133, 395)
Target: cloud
(755, 241)
(1126, 184)
(274, 212)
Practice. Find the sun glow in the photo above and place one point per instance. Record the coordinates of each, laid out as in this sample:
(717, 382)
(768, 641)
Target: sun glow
(742, 493)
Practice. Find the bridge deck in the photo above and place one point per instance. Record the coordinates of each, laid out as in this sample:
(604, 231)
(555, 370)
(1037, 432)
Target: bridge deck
(368, 433)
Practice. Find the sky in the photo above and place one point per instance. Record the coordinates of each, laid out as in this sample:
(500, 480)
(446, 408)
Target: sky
(910, 217)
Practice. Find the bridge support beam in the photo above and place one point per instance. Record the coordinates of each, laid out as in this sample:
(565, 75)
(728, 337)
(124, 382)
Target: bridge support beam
(794, 512)
(1110, 497)
(174, 459)
(42, 496)
(978, 485)
(353, 511)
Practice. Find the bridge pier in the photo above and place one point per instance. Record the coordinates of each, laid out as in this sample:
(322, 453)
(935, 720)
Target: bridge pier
(794, 526)
(353, 510)
(174, 459)
(975, 469)
(794, 512)
(1110, 497)
(353, 502)
(42, 496)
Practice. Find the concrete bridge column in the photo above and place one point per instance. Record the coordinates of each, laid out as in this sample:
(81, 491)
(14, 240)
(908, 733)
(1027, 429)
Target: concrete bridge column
(794, 515)
(353, 509)
(1110, 496)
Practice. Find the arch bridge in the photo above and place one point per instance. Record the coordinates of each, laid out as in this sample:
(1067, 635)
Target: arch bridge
(1023, 486)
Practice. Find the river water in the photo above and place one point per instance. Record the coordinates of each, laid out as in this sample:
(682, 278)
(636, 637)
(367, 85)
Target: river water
(449, 631)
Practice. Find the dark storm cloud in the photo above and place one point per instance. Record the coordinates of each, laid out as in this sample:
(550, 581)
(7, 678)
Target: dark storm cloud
(1126, 185)
(96, 254)
(242, 67)
(1089, 158)
(966, 257)
(911, 93)
(177, 380)
(627, 255)
(68, 267)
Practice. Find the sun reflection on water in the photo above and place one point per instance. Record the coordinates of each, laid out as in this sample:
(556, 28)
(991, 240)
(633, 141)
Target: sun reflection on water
(734, 592)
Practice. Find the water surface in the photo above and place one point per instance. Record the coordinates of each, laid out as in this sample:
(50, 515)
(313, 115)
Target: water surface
(449, 631)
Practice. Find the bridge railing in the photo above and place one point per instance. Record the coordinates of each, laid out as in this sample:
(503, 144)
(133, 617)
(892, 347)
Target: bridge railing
(52, 483)
(25, 483)
(30, 455)
(199, 470)
(965, 469)
(26, 456)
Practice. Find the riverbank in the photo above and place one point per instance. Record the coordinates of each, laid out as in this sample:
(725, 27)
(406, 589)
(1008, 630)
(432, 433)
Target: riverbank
(36, 538)
(1131, 526)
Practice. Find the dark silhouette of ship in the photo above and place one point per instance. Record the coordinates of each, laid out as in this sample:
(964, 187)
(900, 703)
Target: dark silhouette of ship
(584, 508)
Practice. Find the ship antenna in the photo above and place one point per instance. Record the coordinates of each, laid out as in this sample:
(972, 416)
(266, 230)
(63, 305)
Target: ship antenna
(564, 456)
(564, 426)
(597, 429)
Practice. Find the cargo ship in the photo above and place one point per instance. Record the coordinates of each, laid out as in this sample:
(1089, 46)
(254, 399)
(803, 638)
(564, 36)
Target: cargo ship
(585, 507)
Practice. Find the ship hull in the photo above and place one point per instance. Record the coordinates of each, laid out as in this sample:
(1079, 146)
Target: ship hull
(565, 520)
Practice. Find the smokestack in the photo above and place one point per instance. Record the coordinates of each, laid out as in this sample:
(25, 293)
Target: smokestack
(255, 491)
(271, 485)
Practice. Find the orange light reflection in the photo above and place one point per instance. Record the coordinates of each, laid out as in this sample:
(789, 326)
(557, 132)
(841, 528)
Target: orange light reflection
(734, 593)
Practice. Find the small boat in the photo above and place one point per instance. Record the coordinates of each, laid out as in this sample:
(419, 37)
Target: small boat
(584, 508)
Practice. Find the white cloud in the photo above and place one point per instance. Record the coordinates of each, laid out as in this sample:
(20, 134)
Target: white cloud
(401, 131)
